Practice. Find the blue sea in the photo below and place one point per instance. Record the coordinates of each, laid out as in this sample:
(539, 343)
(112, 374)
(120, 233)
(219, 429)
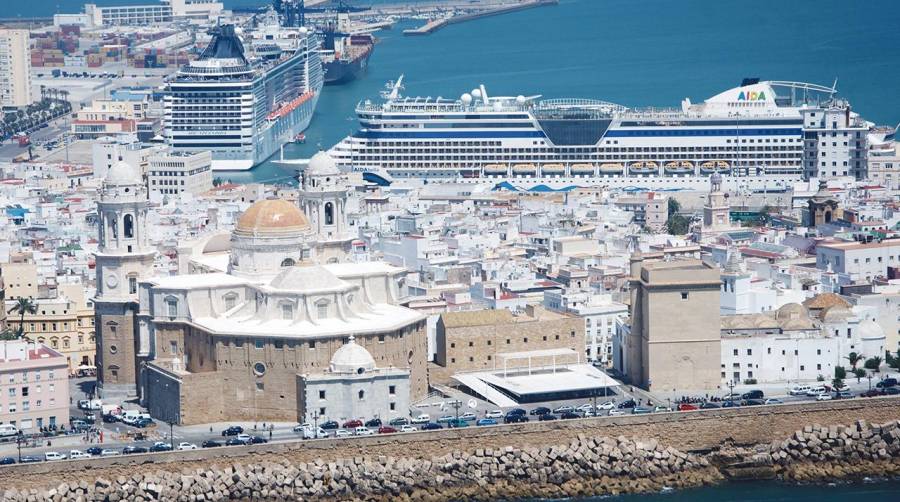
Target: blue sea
(633, 52)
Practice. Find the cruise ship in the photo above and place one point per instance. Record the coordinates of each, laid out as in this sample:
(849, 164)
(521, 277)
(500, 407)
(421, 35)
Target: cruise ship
(751, 132)
(243, 107)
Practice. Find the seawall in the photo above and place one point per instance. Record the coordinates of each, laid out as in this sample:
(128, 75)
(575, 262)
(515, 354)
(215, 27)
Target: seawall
(577, 457)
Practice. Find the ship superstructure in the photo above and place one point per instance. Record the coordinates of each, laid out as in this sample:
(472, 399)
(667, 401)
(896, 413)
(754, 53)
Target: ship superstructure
(243, 106)
(756, 129)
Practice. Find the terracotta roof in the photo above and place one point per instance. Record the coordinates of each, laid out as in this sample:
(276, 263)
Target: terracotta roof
(825, 300)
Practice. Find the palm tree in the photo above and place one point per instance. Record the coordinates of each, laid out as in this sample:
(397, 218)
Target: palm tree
(854, 359)
(23, 306)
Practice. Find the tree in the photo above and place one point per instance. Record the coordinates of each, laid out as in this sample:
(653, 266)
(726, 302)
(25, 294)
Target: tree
(836, 384)
(676, 224)
(840, 372)
(873, 363)
(854, 359)
(893, 361)
(859, 373)
(23, 306)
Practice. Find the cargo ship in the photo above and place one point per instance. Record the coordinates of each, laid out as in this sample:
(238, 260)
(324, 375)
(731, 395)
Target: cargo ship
(244, 106)
(345, 55)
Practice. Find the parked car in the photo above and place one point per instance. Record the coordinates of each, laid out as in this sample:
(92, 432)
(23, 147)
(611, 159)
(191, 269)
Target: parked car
(615, 412)
(494, 414)
(430, 426)
(546, 417)
(386, 429)
(445, 419)
(752, 402)
(352, 424)
(7, 461)
(76, 454)
(244, 438)
(94, 450)
(628, 403)
(824, 397)
(887, 382)
(515, 411)
(468, 416)
(234, 430)
(873, 393)
(311, 432)
(753, 394)
(109, 452)
(209, 443)
(731, 404)
(342, 433)
(892, 391)
(258, 440)
(540, 410)
(52, 455)
(817, 391)
(563, 409)
(641, 410)
(110, 419)
(234, 441)
(330, 425)
(584, 408)
(363, 431)
(163, 446)
(422, 418)
(608, 405)
(799, 390)
(486, 421)
(709, 406)
(399, 421)
(773, 400)
(186, 446)
(569, 415)
(734, 396)
(408, 428)
(143, 422)
(374, 423)
(456, 423)
(128, 450)
(515, 419)
(29, 459)
(661, 409)
(687, 407)
(844, 394)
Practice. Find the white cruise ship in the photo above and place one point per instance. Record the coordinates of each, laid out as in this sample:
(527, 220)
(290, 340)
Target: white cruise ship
(244, 107)
(754, 131)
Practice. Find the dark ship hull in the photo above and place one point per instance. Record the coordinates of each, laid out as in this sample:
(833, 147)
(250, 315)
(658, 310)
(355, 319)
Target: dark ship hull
(341, 71)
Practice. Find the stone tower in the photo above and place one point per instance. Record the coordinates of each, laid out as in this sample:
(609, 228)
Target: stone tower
(716, 210)
(323, 198)
(823, 206)
(123, 258)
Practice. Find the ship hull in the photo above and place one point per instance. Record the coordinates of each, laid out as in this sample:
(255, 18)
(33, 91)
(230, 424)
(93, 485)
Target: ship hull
(339, 72)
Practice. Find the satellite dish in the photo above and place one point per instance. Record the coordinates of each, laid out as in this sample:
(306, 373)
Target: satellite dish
(473, 403)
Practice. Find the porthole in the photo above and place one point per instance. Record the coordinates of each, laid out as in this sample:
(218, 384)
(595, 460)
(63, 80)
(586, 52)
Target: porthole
(259, 369)
(113, 349)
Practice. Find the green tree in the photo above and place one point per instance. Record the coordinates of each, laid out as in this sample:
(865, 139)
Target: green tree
(859, 373)
(840, 372)
(873, 363)
(854, 359)
(837, 383)
(23, 306)
(676, 224)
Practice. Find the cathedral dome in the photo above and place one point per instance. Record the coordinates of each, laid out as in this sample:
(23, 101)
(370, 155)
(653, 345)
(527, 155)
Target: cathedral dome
(791, 311)
(272, 216)
(321, 164)
(121, 173)
(352, 358)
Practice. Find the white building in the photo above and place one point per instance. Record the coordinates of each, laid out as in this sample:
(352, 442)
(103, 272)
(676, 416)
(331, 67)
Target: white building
(741, 293)
(861, 261)
(15, 68)
(180, 173)
(834, 142)
(110, 150)
(128, 15)
(600, 314)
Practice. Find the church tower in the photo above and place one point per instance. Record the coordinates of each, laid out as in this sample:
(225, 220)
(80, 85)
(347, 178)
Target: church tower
(716, 211)
(123, 258)
(323, 198)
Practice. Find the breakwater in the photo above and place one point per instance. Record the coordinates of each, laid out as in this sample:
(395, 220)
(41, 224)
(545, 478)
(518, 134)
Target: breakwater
(566, 458)
(436, 24)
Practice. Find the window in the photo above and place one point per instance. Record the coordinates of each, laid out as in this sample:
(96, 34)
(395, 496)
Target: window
(452, 345)
(259, 369)
(322, 411)
(287, 262)
(172, 306)
(393, 406)
(735, 351)
(381, 340)
(321, 394)
(312, 345)
(132, 285)
(322, 310)
(287, 311)
(329, 213)
(230, 301)
(12, 392)
(362, 395)
(26, 405)
(128, 226)
(818, 366)
(260, 386)
(749, 352)
(684, 295)
(173, 346)
(392, 389)
(259, 343)
(24, 391)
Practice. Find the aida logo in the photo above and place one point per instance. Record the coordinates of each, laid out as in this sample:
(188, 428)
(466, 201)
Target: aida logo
(752, 96)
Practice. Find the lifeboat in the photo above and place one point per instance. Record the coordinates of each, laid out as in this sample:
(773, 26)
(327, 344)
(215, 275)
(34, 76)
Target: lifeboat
(553, 169)
(524, 170)
(679, 167)
(582, 169)
(290, 106)
(611, 168)
(722, 166)
(643, 167)
(494, 169)
(708, 167)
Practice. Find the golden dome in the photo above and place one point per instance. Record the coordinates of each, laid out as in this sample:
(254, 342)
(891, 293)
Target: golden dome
(272, 216)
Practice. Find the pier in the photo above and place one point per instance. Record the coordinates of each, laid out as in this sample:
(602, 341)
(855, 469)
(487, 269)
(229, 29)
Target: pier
(436, 24)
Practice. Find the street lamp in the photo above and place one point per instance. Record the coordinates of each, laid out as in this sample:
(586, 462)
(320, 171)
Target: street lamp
(316, 424)
(19, 440)
(731, 391)
(869, 376)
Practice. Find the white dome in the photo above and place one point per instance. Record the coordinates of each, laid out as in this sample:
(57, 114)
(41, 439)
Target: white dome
(322, 164)
(121, 173)
(870, 330)
(352, 358)
(476, 93)
(466, 98)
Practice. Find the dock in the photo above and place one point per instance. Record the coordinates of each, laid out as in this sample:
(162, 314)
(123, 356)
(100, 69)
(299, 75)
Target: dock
(436, 24)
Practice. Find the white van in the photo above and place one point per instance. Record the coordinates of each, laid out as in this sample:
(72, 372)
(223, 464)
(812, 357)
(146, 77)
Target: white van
(817, 391)
(52, 455)
(422, 418)
(799, 390)
(7, 430)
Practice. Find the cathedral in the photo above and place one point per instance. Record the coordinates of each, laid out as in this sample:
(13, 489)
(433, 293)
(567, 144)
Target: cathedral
(263, 324)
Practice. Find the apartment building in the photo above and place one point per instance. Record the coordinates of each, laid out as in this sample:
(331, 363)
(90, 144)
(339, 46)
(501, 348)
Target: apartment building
(34, 386)
(15, 69)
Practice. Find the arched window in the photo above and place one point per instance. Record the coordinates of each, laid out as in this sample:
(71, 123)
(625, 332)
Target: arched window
(329, 213)
(288, 262)
(128, 226)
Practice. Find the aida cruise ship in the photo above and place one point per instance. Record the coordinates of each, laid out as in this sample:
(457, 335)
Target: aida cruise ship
(752, 132)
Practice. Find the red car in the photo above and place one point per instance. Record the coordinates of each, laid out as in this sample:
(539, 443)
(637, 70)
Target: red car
(386, 429)
(687, 407)
(350, 424)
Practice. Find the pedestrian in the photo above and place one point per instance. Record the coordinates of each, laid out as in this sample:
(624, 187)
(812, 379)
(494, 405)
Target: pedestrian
(270, 433)
(210, 429)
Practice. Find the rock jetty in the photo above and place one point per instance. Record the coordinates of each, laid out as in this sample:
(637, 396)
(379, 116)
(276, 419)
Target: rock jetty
(586, 466)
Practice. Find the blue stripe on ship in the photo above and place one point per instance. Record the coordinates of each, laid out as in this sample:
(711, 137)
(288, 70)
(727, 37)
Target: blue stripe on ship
(617, 133)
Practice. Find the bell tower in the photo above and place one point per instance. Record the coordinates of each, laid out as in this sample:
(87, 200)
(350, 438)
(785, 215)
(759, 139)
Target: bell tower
(124, 256)
(323, 198)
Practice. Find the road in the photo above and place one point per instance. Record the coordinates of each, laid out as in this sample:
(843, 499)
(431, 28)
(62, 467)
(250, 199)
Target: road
(10, 149)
